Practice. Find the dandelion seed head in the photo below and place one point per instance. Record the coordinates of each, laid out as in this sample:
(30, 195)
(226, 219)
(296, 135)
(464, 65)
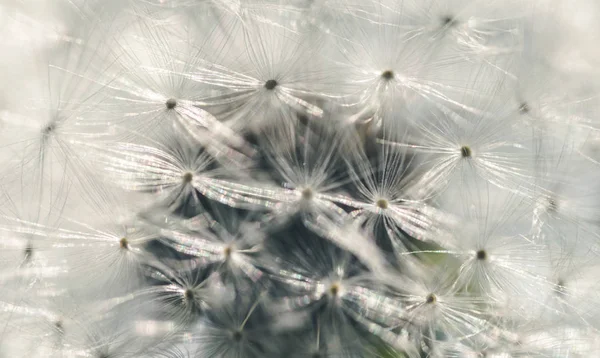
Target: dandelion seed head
(271, 84)
(171, 103)
(465, 151)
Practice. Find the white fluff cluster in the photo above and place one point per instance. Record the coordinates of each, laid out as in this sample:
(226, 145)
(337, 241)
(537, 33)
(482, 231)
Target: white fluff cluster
(299, 178)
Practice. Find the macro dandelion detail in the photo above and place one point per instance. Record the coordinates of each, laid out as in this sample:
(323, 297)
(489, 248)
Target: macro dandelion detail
(299, 178)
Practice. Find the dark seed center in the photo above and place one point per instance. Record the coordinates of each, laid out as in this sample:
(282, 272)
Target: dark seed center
(28, 252)
(171, 103)
(382, 204)
(59, 326)
(237, 336)
(481, 255)
(431, 298)
(465, 152)
(552, 205)
(123, 243)
(307, 194)
(334, 290)
(188, 294)
(187, 177)
(524, 108)
(270, 84)
(49, 128)
(227, 252)
(387, 75)
(448, 21)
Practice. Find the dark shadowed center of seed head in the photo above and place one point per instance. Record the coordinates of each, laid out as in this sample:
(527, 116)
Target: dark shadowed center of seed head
(123, 243)
(481, 255)
(171, 103)
(387, 75)
(382, 204)
(465, 151)
(270, 84)
(431, 298)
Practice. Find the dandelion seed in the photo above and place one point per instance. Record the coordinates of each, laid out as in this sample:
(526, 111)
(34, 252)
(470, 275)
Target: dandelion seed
(457, 151)
(179, 173)
(228, 240)
(384, 196)
(306, 172)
